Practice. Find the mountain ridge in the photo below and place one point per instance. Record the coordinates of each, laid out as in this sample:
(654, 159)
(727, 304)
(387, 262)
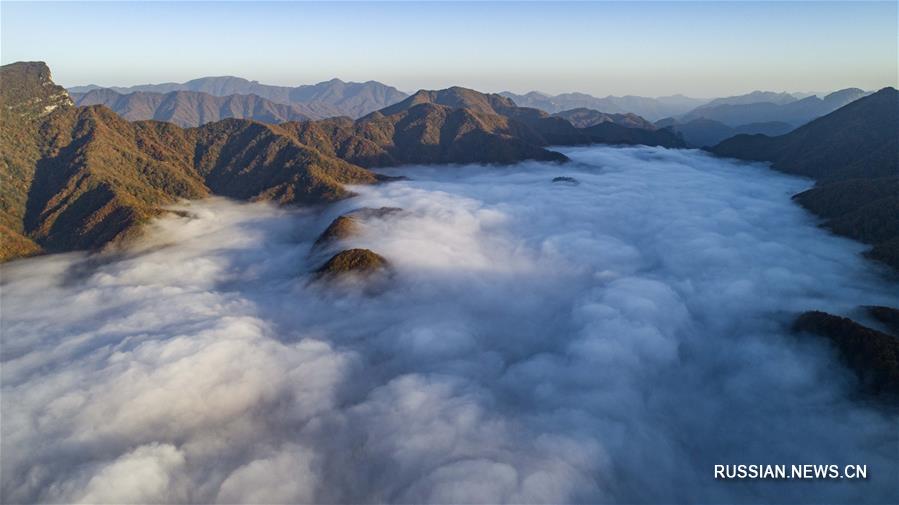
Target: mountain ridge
(795, 112)
(351, 99)
(195, 108)
(853, 155)
(583, 117)
(545, 128)
(649, 108)
(84, 177)
(703, 132)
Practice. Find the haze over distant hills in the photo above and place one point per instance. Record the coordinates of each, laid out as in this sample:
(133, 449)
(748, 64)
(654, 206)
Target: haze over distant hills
(329, 98)
(195, 108)
(853, 154)
(702, 132)
(585, 118)
(774, 97)
(704, 122)
(763, 112)
(766, 107)
(755, 112)
(649, 108)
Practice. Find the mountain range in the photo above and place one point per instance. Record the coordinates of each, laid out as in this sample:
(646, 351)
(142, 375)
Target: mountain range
(81, 177)
(701, 122)
(761, 107)
(84, 177)
(459, 125)
(325, 99)
(702, 132)
(853, 155)
(546, 129)
(195, 108)
(649, 108)
(763, 112)
(585, 118)
(207, 99)
(750, 98)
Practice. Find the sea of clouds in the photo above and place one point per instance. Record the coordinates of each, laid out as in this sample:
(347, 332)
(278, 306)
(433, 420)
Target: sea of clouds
(607, 341)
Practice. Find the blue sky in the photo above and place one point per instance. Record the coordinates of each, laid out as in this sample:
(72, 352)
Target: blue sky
(649, 48)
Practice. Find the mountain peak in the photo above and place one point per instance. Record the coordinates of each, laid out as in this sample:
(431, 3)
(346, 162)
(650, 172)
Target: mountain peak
(455, 97)
(843, 96)
(28, 89)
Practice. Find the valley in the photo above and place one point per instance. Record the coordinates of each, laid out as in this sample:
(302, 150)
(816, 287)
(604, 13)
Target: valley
(521, 325)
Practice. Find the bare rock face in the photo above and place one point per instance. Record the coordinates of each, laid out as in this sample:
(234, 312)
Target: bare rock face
(358, 262)
(29, 91)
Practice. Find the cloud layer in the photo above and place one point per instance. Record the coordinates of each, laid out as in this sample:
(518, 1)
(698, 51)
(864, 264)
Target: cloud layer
(603, 342)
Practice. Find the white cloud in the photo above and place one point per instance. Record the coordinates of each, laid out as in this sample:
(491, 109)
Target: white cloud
(286, 477)
(148, 474)
(609, 341)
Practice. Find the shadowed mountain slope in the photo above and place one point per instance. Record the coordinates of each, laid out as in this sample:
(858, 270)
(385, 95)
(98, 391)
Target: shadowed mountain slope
(27, 97)
(82, 177)
(853, 154)
(858, 140)
(872, 355)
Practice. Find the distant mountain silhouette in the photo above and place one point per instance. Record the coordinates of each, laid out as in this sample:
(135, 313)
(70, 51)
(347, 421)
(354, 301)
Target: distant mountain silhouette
(353, 99)
(649, 108)
(708, 132)
(750, 98)
(736, 111)
(195, 108)
(853, 154)
(584, 118)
